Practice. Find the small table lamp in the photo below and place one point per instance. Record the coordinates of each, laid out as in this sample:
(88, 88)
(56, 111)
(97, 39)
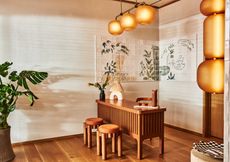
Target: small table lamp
(116, 91)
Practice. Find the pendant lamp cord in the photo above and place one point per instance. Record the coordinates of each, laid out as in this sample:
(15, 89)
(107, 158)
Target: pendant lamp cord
(121, 7)
(136, 5)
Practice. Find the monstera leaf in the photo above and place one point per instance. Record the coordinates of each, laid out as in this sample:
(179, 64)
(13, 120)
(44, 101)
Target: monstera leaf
(24, 77)
(14, 85)
(4, 69)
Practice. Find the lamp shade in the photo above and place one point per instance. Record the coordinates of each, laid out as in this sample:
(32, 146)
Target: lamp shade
(128, 21)
(214, 35)
(210, 76)
(115, 28)
(209, 7)
(145, 14)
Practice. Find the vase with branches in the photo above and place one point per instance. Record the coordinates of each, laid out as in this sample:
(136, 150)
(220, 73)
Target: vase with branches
(110, 70)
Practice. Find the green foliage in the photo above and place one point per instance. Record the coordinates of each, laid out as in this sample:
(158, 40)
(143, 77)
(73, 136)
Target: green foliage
(164, 70)
(14, 85)
(110, 69)
(171, 76)
(150, 64)
(186, 43)
(110, 47)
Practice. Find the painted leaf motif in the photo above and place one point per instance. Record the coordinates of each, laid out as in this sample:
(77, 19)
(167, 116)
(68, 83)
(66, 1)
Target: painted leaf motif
(164, 70)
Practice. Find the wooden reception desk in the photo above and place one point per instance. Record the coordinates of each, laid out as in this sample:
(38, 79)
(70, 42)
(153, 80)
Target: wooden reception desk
(139, 124)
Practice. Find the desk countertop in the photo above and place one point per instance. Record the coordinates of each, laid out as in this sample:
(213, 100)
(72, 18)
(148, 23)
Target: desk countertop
(128, 106)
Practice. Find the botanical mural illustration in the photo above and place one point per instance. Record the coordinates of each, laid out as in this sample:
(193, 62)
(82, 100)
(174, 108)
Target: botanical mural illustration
(114, 53)
(135, 60)
(177, 59)
(150, 64)
(114, 47)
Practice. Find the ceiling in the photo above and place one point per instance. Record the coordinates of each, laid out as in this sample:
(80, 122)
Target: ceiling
(156, 3)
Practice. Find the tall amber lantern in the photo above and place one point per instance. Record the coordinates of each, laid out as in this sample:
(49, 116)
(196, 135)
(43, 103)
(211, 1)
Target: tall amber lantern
(209, 7)
(214, 36)
(210, 73)
(210, 76)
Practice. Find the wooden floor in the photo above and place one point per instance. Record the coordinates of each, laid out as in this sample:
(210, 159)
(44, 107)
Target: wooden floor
(177, 149)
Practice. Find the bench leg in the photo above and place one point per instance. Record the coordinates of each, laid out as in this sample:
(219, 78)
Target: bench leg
(104, 151)
(114, 143)
(85, 133)
(119, 145)
(139, 149)
(89, 133)
(161, 142)
(98, 143)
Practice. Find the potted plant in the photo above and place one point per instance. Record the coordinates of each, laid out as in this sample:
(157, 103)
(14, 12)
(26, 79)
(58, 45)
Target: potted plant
(110, 69)
(12, 86)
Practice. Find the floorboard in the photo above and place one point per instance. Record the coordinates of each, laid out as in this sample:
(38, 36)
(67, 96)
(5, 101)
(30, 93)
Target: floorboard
(177, 149)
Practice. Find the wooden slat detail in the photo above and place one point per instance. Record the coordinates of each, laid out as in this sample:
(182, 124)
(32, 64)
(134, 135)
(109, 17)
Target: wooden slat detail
(124, 119)
(140, 124)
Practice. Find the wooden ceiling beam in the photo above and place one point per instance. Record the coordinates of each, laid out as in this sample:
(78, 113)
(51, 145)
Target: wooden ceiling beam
(126, 1)
(164, 5)
(167, 4)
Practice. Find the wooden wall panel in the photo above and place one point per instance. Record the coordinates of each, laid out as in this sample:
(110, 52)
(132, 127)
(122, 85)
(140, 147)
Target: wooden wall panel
(217, 115)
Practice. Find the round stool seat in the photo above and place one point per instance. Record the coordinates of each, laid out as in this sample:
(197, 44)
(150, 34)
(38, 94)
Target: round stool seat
(108, 128)
(94, 121)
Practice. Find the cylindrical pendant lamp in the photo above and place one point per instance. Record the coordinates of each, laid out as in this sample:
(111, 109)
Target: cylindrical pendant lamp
(210, 76)
(145, 14)
(208, 7)
(114, 27)
(128, 21)
(214, 36)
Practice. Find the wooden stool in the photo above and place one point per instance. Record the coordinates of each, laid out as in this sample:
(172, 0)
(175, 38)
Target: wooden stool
(89, 124)
(109, 131)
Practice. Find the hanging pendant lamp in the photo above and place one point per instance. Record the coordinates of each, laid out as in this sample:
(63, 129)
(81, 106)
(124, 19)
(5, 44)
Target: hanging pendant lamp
(145, 14)
(114, 27)
(128, 21)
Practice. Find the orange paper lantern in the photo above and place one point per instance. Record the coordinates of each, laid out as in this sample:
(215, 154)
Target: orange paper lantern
(210, 76)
